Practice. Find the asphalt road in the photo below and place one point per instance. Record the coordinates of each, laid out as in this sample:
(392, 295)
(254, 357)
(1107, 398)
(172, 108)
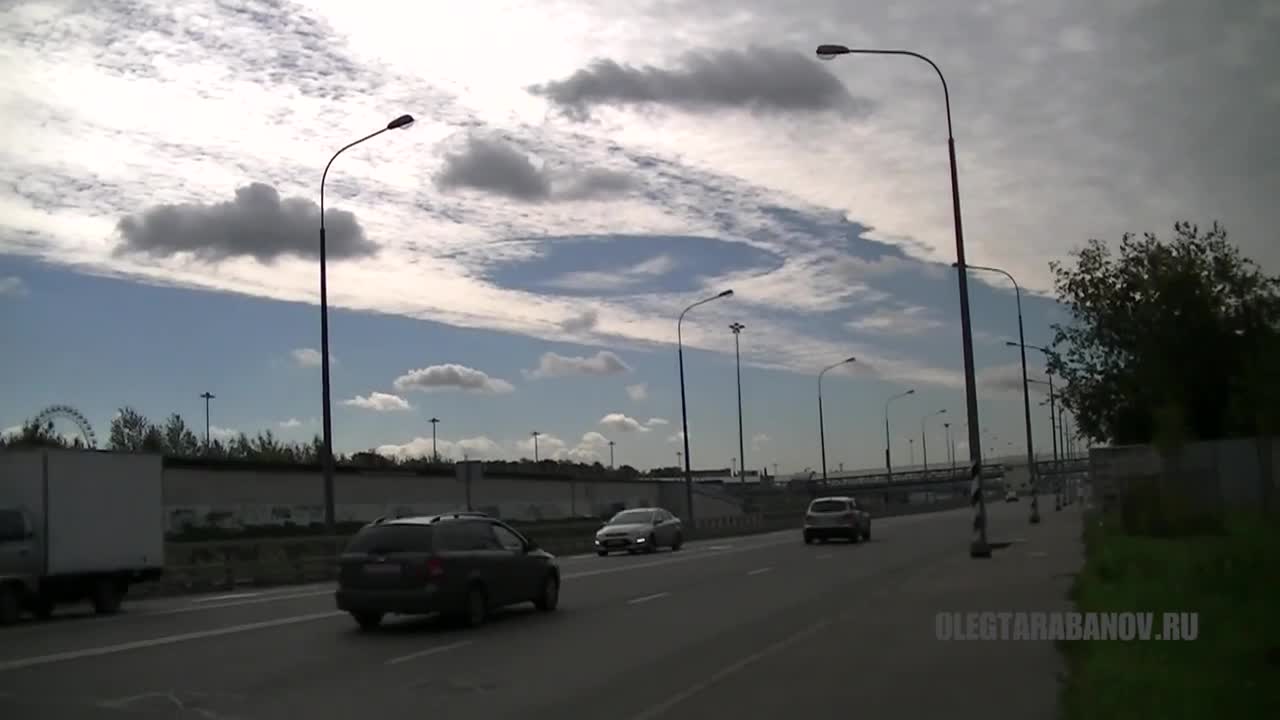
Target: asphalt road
(754, 627)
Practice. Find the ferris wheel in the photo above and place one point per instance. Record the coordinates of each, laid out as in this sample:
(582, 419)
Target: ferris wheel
(48, 417)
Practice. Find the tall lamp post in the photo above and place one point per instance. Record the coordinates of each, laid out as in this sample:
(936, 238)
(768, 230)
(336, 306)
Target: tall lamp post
(326, 462)
(978, 546)
(435, 456)
(535, 435)
(737, 329)
(610, 454)
(888, 441)
(684, 406)
(1026, 392)
(1053, 416)
(951, 456)
(822, 433)
(207, 397)
(924, 438)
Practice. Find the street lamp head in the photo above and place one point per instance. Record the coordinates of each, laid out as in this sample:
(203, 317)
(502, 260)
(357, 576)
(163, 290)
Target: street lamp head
(943, 411)
(403, 121)
(737, 327)
(1010, 343)
(726, 293)
(851, 359)
(435, 420)
(912, 391)
(830, 52)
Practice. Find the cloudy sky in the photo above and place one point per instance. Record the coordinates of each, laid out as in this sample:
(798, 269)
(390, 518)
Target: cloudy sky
(579, 173)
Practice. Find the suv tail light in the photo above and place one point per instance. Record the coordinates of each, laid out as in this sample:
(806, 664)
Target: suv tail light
(434, 567)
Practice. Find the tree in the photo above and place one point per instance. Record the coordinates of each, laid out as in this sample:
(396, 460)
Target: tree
(131, 431)
(179, 440)
(1164, 334)
(33, 434)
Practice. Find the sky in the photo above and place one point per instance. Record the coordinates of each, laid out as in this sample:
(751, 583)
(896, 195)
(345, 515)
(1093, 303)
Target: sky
(579, 173)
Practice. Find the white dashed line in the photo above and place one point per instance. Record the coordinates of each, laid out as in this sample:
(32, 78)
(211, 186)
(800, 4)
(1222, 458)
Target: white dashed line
(428, 652)
(217, 598)
(760, 571)
(647, 598)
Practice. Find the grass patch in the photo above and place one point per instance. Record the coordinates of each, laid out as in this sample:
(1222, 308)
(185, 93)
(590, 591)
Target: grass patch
(1231, 579)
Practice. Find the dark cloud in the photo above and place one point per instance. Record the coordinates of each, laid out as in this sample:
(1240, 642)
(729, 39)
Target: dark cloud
(257, 224)
(759, 79)
(497, 166)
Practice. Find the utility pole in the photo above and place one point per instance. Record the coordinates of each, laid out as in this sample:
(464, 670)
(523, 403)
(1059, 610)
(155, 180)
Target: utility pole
(610, 454)
(435, 456)
(535, 434)
(737, 329)
(207, 397)
(888, 442)
(924, 440)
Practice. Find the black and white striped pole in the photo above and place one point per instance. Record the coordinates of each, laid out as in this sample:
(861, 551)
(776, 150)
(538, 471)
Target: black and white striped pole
(978, 545)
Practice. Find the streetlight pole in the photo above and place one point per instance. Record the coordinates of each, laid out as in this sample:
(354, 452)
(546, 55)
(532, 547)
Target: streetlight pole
(924, 439)
(978, 546)
(888, 441)
(207, 397)
(951, 458)
(684, 407)
(737, 329)
(1053, 429)
(535, 434)
(822, 433)
(1026, 393)
(435, 456)
(610, 454)
(326, 461)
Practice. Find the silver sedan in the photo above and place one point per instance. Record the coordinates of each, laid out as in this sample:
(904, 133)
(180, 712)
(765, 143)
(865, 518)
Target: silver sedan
(640, 530)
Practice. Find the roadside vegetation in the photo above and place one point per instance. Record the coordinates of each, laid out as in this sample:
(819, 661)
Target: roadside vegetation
(1171, 343)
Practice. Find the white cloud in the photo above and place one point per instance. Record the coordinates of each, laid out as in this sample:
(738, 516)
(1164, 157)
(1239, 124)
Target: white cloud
(589, 280)
(676, 437)
(622, 423)
(451, 376)
(309, 357)
(11, 430)
(758, 441)
(379, 402)
(474, 448)
(638, 392)
(13, 286)
(549, 446)
(290, 424)
(1008, 378)
(908, 320)
(222, 433)
(553, 365)
(656, 421)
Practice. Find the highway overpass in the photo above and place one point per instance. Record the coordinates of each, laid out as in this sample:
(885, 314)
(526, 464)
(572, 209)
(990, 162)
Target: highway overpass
(744, 628)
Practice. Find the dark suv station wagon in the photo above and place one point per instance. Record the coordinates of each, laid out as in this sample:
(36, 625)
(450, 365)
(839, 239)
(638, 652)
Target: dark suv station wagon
(461, 565)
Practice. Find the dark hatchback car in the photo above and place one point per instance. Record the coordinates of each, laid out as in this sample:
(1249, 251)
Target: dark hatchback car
(459, 565)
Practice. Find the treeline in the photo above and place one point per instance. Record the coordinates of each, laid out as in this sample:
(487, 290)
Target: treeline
(131, 431)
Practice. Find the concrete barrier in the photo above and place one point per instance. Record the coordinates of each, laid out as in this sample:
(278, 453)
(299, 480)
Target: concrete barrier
(193, 567)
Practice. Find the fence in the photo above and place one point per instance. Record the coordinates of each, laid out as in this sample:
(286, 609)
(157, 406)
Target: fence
(1237, 474)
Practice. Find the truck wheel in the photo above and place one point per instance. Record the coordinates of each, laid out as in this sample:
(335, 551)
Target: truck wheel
(107, 596)
(10, 609)
(42, 608)
(367, 620)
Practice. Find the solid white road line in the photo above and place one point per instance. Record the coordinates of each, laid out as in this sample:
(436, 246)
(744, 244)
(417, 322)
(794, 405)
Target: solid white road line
(428, 652)
(759, 571)
(647, 598)
(661, 708)
(219, 598)
(159, 641)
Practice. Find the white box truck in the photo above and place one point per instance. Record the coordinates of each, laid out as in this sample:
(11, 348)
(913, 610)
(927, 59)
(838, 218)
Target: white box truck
(77, 525)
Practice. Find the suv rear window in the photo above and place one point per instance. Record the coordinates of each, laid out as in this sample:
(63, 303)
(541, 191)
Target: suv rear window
(826, 506)
(391, 538)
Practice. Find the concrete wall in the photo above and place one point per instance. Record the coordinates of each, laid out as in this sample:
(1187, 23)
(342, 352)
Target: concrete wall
(1234, 474)
(221, 496)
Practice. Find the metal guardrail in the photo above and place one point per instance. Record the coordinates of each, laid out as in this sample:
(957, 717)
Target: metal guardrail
(275, 570)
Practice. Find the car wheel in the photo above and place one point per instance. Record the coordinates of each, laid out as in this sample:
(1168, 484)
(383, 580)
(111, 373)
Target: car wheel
(808, 539)
(867, 535)
(549, 598)
(107, 596)
(477, 608)
(367, 620)
(602, 553)
(677, 543)
(10, 609)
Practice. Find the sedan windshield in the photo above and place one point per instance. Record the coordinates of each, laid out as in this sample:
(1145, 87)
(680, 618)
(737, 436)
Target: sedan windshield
(632, 517)
(828, 506)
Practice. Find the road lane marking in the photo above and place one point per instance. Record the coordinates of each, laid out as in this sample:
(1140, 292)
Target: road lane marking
(759, 571)
(428, 652)
(661, 708)
(163, 640)
(671, 561)
(218, 598)
(647, 598)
